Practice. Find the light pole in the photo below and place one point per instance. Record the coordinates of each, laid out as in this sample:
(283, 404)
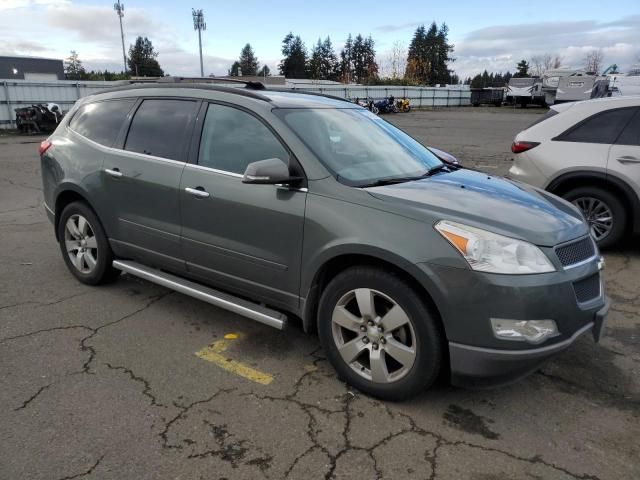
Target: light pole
(199, 25)
(119, 8)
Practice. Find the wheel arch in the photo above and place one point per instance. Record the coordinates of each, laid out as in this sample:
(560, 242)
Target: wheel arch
(67, 193)
(607, 181)
(331, 265)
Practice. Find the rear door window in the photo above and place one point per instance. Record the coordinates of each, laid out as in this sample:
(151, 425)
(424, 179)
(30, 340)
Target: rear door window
(159, 128)
(631, 134)
(604, 127)
(102, 121)
(232, 139)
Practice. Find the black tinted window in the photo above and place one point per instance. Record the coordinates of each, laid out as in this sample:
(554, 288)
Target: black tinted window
(101, 121)
(546, 116)
(600, 128)
(232, 139)
(159, 128)
(631, 133)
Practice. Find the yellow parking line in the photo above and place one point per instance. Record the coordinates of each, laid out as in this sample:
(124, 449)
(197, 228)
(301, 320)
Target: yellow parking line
(213, 354)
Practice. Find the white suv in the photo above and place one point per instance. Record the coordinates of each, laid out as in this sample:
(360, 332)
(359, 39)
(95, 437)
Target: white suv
(588, 153)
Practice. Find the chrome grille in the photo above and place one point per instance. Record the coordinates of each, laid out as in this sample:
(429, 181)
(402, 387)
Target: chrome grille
(588, 288)
(576, 252)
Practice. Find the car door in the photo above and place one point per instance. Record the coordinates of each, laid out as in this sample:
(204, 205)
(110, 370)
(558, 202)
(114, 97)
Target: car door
(624, 155)
(243, 237)
(142, 179)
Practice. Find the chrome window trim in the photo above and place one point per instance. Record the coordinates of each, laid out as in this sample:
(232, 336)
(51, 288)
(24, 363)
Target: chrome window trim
(121, 151)
(215, 170)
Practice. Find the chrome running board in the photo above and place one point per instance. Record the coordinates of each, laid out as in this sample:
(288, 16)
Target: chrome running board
(214, 297)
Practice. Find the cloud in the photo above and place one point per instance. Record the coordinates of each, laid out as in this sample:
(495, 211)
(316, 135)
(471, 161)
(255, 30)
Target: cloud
(13, 4)
(398, 27)
(500, 47)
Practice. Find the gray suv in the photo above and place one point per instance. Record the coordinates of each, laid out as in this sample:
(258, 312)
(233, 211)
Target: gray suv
(272, 203)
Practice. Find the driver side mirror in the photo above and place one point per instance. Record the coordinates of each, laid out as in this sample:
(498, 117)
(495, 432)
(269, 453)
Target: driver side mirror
(268, 172)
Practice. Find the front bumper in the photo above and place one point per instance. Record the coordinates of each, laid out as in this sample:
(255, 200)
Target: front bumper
(467, 300)
(481, 367)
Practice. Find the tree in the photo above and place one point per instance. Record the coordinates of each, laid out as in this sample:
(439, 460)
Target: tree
(234, 71)
(593, 61)
(323, 62)
(397, 60)
(73, 69)
(294, 63)
(429, 55)
(346, 61)
(142, 59)
(523, 69)
(540, 64)
(248, 61)
(265, 71)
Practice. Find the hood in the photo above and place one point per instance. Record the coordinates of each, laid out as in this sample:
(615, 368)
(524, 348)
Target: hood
(492, 203)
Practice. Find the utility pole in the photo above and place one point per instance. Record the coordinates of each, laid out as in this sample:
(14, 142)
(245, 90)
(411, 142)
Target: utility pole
(199, 25)
(119, 8)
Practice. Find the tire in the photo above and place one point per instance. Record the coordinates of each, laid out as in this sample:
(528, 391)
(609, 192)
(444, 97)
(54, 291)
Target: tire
(415, 338)
(610, 204)
(92, 265)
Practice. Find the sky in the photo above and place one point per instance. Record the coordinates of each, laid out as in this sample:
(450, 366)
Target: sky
(486, 35)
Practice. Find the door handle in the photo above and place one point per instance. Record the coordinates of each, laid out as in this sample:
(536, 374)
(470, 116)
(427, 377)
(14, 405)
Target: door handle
(628, 159)
(114, 172)
(197, 192)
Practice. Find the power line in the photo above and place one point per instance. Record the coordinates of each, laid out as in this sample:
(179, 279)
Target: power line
(119, 8)
(199, 25)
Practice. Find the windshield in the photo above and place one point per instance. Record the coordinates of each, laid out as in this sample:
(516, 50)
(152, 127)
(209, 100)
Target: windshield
(358, 147)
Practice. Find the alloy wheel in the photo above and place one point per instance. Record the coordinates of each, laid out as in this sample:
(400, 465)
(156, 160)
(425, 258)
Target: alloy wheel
(81, 244)
(374, 335)
(598, 215)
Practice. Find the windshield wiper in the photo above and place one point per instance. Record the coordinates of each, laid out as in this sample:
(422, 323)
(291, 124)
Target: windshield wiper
(394, 180)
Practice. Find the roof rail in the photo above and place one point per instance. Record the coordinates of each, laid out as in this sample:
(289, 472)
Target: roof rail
(169, 79)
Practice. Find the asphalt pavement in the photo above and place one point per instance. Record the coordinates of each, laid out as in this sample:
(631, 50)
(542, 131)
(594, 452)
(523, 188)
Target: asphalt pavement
(133, 381)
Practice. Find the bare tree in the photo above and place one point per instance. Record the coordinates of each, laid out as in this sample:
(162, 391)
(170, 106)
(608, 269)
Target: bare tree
(397, 60)
(542, 63)
(593, 61)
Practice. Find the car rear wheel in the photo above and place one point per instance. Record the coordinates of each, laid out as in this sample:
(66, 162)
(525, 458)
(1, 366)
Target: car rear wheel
(379, 334)
(604, 212)
(84, 245)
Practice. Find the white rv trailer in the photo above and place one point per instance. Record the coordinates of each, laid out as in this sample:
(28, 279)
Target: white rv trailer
(625, 84)
(524, 90)
(581, 86)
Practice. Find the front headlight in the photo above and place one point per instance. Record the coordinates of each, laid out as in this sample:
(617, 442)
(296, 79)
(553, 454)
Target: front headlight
(490, 252)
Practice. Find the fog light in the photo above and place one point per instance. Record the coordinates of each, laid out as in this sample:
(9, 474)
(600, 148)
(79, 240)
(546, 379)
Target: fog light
(531, 331)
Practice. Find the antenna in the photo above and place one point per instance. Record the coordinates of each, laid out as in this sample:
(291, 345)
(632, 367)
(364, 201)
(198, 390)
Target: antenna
(199, 25)
(119, 8)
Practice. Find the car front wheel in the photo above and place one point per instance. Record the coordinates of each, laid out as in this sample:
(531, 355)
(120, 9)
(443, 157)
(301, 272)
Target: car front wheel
(379, 334)
(604, 212)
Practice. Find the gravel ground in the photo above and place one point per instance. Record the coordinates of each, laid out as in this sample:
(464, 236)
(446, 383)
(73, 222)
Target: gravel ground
(103, 383)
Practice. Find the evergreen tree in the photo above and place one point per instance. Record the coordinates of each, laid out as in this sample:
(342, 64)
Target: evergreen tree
(294, 63)
(265, 71)
(323, 62)
(523, 69)
(248, 62)
(346, 61)
(234, 71)
(429, 55)
(73, 69)
(142, 59)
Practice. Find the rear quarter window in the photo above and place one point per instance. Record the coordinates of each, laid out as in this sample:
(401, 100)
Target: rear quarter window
(102, 121)
(159, 128)
(603, 127)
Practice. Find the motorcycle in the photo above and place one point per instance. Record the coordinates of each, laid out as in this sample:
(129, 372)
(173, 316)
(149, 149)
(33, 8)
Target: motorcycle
(403, 105)
(368, 104)
(388, 105)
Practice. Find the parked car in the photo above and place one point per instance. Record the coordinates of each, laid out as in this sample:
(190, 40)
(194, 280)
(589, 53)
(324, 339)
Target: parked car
(270, 203)
(588, 153)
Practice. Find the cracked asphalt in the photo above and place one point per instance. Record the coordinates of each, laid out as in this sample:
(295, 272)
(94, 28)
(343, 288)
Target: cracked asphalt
(103, 382)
